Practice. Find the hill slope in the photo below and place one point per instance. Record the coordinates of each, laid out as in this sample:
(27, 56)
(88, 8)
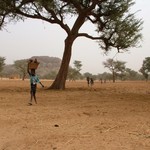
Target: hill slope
(47, 65)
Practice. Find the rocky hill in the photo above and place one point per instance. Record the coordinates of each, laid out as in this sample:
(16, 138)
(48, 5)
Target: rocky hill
(47, 66)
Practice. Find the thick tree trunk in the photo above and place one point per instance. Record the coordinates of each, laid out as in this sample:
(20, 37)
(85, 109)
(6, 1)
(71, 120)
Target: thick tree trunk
(61, 77)
(60, 80)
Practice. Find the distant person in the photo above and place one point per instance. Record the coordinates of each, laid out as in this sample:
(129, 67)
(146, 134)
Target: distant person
(91, 82)
(33, 83)
(88, 80)
(101, 80)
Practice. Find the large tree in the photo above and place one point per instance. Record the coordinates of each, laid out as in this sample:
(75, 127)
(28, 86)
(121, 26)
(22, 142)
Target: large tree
(115, 26)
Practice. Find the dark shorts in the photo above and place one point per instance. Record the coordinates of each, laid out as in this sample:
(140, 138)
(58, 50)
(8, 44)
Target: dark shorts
(33, 88)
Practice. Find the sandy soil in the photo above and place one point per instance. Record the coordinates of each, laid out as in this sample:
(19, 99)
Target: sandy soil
(106, 117)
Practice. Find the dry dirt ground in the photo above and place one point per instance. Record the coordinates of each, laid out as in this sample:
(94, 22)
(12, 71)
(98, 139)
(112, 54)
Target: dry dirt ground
(106, 117)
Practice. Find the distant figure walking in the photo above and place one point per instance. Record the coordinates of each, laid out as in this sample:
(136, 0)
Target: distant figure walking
(88, 80)
(91, 82)
(101, 80)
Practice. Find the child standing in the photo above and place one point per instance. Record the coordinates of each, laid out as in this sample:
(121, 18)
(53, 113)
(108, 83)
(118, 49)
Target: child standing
(33, 83)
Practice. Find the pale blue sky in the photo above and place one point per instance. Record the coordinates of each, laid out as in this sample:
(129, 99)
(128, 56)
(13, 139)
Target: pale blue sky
(36, 38)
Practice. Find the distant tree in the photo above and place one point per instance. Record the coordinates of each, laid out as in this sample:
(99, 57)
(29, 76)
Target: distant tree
(77, 65)
(87, 74)
(145, 69)
(144, 73)
(21, 66)
(117, 68)
(2, 63)
(114, 24)
(131, 74)
(74, 73)
(71, 74)
(120, 69)
(107, 76)
(51, 75)
(9, 71)
(94, 77)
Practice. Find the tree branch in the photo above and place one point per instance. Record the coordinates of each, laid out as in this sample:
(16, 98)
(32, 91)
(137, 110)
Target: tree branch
(90, 37)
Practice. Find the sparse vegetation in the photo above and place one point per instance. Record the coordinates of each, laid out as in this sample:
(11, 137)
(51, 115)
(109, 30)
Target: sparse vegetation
(79, 118)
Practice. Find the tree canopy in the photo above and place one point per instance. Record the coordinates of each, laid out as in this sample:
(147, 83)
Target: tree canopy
(117, 68)
(21, 66)
(115, 26)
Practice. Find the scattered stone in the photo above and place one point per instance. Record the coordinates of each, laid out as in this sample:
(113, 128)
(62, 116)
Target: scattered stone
(56, 125)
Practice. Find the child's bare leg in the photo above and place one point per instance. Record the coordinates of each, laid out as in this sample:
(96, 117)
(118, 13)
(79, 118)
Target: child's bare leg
(30, 102)
(34, 98)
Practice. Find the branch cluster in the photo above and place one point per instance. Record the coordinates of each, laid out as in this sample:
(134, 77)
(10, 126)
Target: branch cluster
(114, 24)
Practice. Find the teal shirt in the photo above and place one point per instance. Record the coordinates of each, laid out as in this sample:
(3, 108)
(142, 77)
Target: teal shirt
(34, 79)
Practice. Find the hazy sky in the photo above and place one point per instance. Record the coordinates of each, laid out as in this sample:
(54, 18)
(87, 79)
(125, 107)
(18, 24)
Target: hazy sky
(37, 38)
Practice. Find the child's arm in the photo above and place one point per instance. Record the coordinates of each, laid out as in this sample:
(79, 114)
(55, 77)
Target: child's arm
(41, 84)
(38, 81)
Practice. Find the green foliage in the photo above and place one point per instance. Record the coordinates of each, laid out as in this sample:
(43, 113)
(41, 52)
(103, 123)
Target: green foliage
(146, 64)
(21, 66)
(77, 65)
(9, 71)
(116, 25)
(74, 73)
(106, 76)
(145, 69)
(2, 63)
(87, 74)
(116, 67)
(132, 75)
(51, 75)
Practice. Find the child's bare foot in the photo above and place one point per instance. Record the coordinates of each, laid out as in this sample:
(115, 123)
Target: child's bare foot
(29, 104)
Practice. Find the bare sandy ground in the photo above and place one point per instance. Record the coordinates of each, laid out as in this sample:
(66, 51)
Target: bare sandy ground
(106, 117)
